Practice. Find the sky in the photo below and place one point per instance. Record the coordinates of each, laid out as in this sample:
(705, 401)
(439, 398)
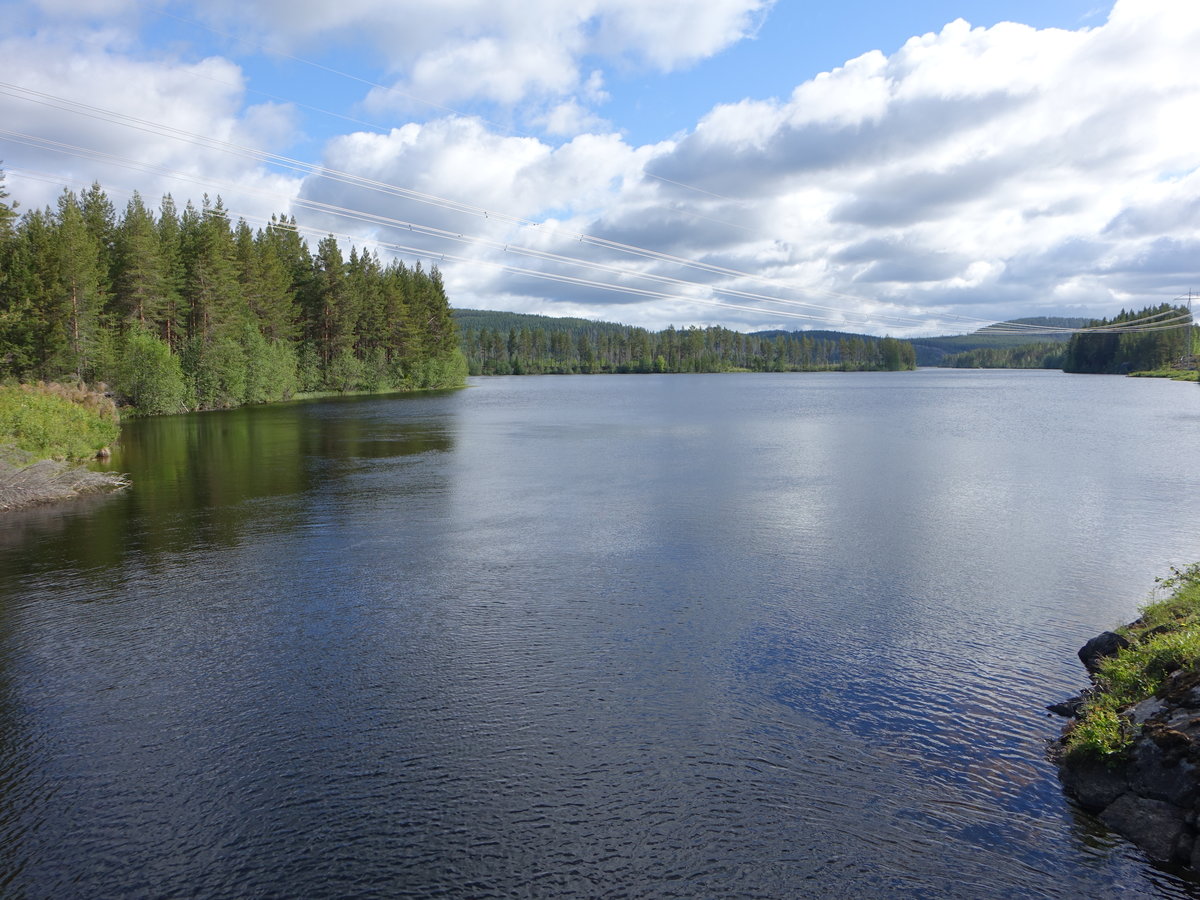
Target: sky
(891, 168)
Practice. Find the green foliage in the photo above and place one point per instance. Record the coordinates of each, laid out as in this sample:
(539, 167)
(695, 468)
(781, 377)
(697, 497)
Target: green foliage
(244, 316)
(1165, 639)
(518, 344)
(438, 372)
(308, 369)
(216, 369)
(54, 421)
(280, 370)
(1165, 341)
(150, 377)
(344, 372)
(1039, 355)
(1101, 733)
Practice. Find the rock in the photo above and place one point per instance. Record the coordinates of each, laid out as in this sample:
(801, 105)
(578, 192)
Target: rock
(1146, 709)
(1068, 708)
(1094, 784)
(1150, 794)
(1154, 825)
(1100, 647)
(1156, 773)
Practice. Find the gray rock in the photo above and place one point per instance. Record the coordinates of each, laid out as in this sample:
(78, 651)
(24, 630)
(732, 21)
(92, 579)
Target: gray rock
(1147, 708)
(1157, 775)
(1157, 827)
(1099, 647)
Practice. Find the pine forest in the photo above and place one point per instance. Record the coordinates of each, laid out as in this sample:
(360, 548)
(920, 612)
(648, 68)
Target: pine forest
(183, 309)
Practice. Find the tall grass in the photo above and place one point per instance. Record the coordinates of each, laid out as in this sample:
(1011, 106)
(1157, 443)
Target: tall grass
(56, 421)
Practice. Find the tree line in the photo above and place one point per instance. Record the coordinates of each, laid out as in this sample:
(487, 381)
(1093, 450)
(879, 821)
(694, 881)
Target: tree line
(1037, 355)
(1161, 346)
(185, 309)
(540, 345)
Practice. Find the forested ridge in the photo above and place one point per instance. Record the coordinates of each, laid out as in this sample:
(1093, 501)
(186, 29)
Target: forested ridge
(184, 309)
(1151, 339)
(1036, 355)
(521, 344)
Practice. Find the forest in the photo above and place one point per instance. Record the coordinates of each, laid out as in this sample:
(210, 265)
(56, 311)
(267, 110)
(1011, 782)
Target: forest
(184, 309)
(1036, 355)
(518, 344)
(1156, 337)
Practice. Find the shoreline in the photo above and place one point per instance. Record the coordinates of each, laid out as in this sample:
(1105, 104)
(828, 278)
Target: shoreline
(48, 481)
(1130, 751)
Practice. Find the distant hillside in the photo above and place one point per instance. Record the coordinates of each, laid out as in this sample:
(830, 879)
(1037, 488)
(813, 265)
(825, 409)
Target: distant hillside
(495, 320)
(932, 351)
(504, 343)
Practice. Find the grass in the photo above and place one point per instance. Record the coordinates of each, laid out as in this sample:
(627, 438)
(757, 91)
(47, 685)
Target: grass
(1164, 640)
(41, 427)
(1174, 374)
(56, 421)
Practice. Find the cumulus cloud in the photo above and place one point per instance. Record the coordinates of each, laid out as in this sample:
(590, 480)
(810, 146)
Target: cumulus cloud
(987, 154)
(503, 51)
(135, 131)
(991, 172)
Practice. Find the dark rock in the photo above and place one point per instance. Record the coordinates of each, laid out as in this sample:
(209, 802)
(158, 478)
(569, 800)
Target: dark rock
(1162, 774)
(1069, 708)
(1155, 826)
(1094, 784)
(1100, 647)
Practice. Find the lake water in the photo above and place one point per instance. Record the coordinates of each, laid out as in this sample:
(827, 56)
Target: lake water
(645, 636)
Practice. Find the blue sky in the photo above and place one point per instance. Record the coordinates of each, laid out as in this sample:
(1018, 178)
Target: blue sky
(872, 166)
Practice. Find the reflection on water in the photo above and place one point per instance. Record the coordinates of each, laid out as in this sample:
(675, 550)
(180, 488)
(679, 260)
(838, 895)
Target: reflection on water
(647, 636)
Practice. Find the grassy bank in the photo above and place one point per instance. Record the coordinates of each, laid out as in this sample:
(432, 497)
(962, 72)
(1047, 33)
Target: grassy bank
(45, 430)
(1164, 640)
(1173, 374)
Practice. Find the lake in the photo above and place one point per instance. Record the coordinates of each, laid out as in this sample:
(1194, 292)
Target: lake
(613, 636)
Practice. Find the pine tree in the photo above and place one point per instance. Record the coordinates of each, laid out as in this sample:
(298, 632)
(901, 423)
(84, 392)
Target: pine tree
(138, 268)
(8, 214)
(79, 292)
(170, 309)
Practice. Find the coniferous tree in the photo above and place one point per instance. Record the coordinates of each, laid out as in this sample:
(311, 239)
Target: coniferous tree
(185, 311)
(79, 285)
(170, 319)
(138, 276)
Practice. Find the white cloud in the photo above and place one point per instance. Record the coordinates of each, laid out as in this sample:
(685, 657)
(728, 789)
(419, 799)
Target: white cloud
(503, 51)
(1002, 171)
(135, 128)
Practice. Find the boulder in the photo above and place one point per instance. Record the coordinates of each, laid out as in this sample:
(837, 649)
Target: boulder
(1100, 647)
(1156, 826)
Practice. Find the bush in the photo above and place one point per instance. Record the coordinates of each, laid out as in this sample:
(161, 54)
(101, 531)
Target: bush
(217, 371)
(149, 376)
(345, 372)
(55, 421)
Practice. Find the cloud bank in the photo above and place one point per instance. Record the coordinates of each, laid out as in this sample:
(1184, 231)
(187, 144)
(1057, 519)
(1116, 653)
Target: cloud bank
(974, 174)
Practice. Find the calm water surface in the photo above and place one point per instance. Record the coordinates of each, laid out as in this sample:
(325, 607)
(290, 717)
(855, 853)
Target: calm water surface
(646, 636)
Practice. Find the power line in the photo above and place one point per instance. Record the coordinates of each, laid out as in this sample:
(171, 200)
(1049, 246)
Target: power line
(841, 316)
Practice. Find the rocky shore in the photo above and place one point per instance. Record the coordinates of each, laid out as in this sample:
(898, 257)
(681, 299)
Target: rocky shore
(1150, 791)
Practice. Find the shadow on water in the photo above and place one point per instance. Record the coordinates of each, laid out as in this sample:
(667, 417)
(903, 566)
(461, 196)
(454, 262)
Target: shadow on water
(200, 479)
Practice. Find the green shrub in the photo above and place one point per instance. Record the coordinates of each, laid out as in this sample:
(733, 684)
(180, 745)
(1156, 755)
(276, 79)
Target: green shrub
(54, 421)
(149, 376)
